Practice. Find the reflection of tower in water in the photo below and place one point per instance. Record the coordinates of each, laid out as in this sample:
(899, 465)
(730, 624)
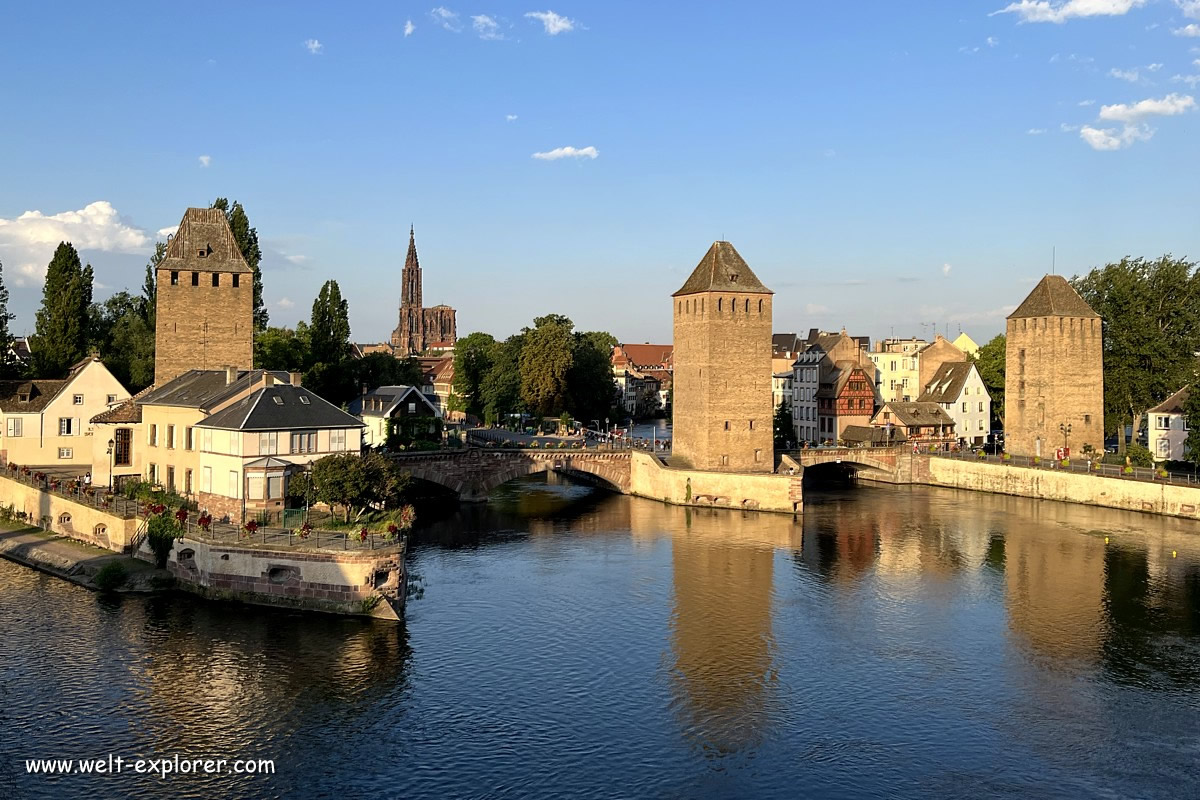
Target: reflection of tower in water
(722, 676)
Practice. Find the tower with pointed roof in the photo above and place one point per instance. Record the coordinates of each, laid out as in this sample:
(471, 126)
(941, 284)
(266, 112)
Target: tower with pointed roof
(420, 328)
(204, 307)
(722, 382)
(1054, 373)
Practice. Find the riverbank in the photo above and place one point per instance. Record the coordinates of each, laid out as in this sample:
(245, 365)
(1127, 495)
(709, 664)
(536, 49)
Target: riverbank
(75, 561)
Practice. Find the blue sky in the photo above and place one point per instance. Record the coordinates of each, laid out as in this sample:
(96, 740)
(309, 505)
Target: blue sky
(883, 166)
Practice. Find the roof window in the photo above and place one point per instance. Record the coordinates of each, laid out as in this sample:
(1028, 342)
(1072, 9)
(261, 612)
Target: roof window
(304, 399)
(278, 400)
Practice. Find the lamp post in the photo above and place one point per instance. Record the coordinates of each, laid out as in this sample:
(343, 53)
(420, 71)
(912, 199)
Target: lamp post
(1065, 427)
(111, 445)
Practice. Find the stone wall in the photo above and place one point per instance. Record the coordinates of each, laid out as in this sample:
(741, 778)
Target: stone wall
(66, 517)
(721, 396)
(203, 326)
(649, 478)
(370, 583)
(1069, 487)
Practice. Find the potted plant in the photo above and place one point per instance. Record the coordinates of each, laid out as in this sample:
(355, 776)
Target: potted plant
(362, 534)
(181, 516)
(392, 530)
(205, 521)
(1127, 470)
(1066, 462)
(249, 529)
(304, 531)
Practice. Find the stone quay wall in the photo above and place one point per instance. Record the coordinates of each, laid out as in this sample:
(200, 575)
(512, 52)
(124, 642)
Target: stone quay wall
(1068, 487)
(67, 517)
(372, 583)
(685, 487)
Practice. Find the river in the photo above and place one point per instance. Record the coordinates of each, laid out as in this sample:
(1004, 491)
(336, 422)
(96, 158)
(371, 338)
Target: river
(895, 642)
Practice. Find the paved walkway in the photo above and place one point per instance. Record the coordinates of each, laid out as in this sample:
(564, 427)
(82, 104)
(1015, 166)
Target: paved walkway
(67, 558)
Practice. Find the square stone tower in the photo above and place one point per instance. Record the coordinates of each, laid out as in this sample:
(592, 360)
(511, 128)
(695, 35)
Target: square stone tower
(1054, 373)
(722, 383)
(204, 317)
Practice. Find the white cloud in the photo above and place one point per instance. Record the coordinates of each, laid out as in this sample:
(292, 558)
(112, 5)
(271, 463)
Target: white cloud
(1190, 8)
(1084, 103)
(1153, 67)
(1192, 30)
(1130, 75)
(567, 152)
(486, 27)
(968, 50)
(409, 28)
(946, 269)
(162, 233)
(1046, 11)
(29, 240)
(205, 160)
(1036, 131)
(553, 23)
(314, 46)
(1112, 139)
(1190, 80)
(296, 259)
(1065, 128)
(446, 18)
(510, 117)
(992, 41)
(1168, 106)
(285, 302)
(815, 309)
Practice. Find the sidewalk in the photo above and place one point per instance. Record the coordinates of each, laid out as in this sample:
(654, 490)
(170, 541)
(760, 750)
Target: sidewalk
(68, 559)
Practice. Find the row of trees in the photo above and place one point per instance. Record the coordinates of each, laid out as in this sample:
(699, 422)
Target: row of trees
(546, 370)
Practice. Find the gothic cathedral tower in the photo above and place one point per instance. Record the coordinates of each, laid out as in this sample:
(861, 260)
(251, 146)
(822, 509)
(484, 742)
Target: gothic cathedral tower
(420, 328)
(722, 382)
(204, 312)
(1054, 373)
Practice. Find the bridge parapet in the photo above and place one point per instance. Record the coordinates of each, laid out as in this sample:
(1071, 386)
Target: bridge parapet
(474, 472)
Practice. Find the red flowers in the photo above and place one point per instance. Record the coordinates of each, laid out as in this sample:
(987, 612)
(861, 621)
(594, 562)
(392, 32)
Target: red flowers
(304, 530)
(205, 521)
(181, 516)
(362, 535)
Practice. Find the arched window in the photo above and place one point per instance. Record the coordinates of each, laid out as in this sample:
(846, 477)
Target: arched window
(701, 305)
(64, 518)
(718, 304)
(747, 305)
(760, 306)
(680, 310)
(100, 530)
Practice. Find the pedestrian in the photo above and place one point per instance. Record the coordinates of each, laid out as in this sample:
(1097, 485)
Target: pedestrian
(87, 480)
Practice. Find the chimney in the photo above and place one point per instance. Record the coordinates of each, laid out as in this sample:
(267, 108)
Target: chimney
(231, 375)
(294, 379)
(268, 379)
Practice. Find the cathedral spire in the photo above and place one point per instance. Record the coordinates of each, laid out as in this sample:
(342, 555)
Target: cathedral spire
(411, 259)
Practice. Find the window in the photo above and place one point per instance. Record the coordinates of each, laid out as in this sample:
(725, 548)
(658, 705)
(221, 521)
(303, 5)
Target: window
(278, 400)
(268, 443)
(123, 447)
(65, 452)
(303, 399)
(206, 480)
(254, 487)
(202, 253)
(726, 424)
(152, 473)
(1164, 448)
(724, 461)
(206, 441)
(304, 442)
(275, 487)
(174, 278)
(170, 478)
(110, 399)
(757, 456)
(170, 437)
(235, 280)
(412, 408)
(980, 424)
(14, 426)
(337, 440)
(152, 435)
(751, 424)
(1163, 423)
(216, 279)
(189, 440)
(964, 406)
(718, 304)
(77, 400)
(195, 279)
(66, 426)
(980, 406)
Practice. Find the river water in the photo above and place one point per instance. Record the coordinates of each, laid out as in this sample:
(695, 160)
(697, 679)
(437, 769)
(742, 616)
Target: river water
(896, 642)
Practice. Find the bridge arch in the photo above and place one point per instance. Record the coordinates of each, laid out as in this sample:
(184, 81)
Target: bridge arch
(473, 474)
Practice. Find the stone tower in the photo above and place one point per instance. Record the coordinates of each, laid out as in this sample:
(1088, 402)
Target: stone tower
(1054, 373)
(419, 328)
(722, 383)
(204, 314)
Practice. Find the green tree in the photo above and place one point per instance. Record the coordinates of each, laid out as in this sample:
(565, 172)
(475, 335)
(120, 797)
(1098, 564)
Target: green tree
(381, 369)
(124, 340)
(9, 366)
(247, 242)
(1191, 411)
(501, 389)
(785, 434)
(329, 328)
(149, 299)
(1151, 313)
(990, 361)
(281, 349)
(592, 391)
(63, 320)
(474, 356)
(358, 483)
(545, 360)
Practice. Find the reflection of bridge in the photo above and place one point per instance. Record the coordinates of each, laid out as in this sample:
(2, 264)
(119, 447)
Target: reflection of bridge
(473, 473)
(889, 464)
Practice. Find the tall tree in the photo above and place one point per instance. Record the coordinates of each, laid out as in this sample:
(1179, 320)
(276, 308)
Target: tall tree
(62, 322)
(124, 340)
(785, 434)
(474, 356)
(247, 241)
(990, 361)
(329, 328)
(9, 366)
(149, 298)
(1191, 412)
(545, 360)
(281, 349)
(1151, 313)
(501, 388)
(592, 391)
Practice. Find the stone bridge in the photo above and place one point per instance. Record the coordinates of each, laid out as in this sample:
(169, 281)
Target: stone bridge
(886, 464)
(474, 472)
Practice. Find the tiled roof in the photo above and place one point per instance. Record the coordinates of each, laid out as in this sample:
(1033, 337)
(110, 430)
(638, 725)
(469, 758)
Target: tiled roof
(646, 355)
(918, 414)
(722, 270)
(204, 230)
(129, 411)
(280, 407)
(40, 394)
(204, 388)
(1053, 297)
(872, 434)
(947, 383)
(1173, 404)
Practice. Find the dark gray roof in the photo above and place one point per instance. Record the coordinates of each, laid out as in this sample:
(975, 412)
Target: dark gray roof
(280, 407)
(204, 388)
(1174, 403)
(872, 434)
(1053, 297)
(786, 343)
(722, 270)
(391, 396)
(947, 383)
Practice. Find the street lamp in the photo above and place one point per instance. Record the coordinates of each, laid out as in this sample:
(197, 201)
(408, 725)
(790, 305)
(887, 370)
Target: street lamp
(1065, 427)
(111, 445)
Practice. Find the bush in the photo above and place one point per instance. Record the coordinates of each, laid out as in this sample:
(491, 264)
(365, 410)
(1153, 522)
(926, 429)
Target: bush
(161, 533)
(111, 576)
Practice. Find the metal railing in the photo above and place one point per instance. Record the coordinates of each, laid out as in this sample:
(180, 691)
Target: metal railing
(1077, 465)
(77, 491)
(266, 536)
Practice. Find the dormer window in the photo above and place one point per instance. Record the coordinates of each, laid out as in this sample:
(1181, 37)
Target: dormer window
(733, 277)
(203, 251)
(23, 397)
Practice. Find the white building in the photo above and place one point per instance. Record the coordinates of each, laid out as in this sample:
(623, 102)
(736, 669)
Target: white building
(1169, 427)
(806, 380)
(958, 389)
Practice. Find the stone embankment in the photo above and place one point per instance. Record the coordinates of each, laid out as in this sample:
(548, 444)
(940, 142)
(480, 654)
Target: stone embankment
(75, 561)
